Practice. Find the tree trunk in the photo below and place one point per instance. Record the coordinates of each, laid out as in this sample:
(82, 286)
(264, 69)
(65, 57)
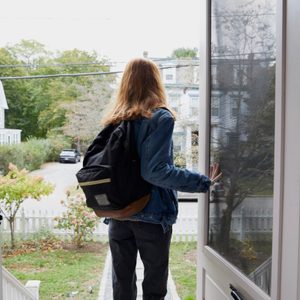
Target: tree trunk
(223, 239)
(12, 231)
(224, 235)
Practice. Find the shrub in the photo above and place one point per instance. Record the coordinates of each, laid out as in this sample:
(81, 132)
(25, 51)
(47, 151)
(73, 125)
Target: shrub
(31, 154)
(11, 154)
(56, 144)
(78, 218)
(17, 186)
(35, 152)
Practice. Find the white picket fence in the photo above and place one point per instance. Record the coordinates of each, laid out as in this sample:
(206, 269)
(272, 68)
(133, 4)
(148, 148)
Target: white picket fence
(246, 224)
(30, 222)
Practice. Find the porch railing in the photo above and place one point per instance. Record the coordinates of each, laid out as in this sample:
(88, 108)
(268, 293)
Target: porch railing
(15, 290)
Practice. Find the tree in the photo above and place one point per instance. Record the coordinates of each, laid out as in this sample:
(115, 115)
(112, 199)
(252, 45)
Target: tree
(84, 114)
(15, 187)
(185, 53)
(41, 101)
(29, 52)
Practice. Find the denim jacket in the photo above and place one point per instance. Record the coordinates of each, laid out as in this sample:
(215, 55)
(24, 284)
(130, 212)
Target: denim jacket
(155, 148)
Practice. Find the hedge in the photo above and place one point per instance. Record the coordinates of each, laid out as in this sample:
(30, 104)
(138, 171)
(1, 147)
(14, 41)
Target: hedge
(32, 153)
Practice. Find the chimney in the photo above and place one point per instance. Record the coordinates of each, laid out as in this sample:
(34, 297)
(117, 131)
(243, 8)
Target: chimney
(145, 54)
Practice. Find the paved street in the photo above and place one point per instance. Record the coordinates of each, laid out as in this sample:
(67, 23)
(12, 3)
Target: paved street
(63, 177)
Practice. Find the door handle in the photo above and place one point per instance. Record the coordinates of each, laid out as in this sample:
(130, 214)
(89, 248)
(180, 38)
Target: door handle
(234, 293)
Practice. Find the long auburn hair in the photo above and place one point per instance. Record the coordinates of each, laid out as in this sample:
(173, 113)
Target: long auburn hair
(141, 90)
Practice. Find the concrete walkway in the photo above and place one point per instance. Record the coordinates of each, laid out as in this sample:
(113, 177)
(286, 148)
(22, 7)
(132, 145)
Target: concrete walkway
(106, 282)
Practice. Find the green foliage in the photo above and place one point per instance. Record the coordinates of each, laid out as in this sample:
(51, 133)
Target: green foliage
(33, 153)
(56, 144)
(179, 159)
(78, 218)
(43, 234)
(183, 268)
(38, 107)
(185, 53)
(28, 51)
(15, 187)
(79, 270)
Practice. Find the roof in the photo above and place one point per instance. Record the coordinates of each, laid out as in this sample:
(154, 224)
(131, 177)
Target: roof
(3, 102)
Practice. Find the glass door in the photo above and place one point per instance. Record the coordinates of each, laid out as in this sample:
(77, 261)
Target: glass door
(242, 94)
(240, 113)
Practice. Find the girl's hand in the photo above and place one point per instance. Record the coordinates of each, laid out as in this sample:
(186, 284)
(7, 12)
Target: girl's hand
(214, 173)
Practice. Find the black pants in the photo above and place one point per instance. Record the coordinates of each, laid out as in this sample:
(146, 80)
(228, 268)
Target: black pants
(125, 239)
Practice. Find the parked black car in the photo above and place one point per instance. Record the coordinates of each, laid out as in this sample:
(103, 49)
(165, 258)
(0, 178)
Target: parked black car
(69, 155)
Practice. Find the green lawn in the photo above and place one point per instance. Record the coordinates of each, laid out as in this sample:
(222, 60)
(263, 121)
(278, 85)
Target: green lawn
(61, 271)
(66, 270)
(183, 268)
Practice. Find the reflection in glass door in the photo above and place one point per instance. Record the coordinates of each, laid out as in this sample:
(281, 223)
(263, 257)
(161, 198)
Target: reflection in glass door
(242, 134)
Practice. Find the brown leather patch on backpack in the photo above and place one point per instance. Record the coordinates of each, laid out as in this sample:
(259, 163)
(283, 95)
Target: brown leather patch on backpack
(127, 211)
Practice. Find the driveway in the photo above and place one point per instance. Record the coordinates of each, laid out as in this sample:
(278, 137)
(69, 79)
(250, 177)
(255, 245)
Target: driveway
(63, 177)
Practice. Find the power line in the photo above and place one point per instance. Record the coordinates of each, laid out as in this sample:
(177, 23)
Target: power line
(76, 64)
(34, 66)
(79, 74)
(95, 64)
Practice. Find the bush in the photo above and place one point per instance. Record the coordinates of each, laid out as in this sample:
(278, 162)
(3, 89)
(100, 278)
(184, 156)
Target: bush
(31, 154)
(78, 218)
(56, 144)
(35, 153)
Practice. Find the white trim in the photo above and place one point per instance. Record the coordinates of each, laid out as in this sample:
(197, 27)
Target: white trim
(279, 151)
(249, 286)
(204, 87)
(290, 263)
(207, 257)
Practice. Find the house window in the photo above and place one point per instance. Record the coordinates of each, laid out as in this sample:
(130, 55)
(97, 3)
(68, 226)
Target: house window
(234, 107)
(194, 99)
(214, 75)
(240, 75)
(215, 107)
(194, 111)
(169, 76)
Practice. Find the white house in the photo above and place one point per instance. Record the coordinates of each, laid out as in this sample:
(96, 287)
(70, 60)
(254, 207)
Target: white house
(7, 136)
(181, 81)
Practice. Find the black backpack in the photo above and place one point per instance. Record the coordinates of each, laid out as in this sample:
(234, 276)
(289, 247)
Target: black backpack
(111, 177)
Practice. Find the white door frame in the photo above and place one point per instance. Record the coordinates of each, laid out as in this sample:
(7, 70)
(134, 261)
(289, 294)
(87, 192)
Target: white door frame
(288, 278)
(281, 178)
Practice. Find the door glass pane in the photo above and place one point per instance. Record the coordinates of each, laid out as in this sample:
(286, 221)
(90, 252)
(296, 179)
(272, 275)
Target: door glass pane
(242, 134)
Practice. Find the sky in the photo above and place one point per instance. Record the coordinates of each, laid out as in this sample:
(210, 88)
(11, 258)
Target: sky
(119, 30)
